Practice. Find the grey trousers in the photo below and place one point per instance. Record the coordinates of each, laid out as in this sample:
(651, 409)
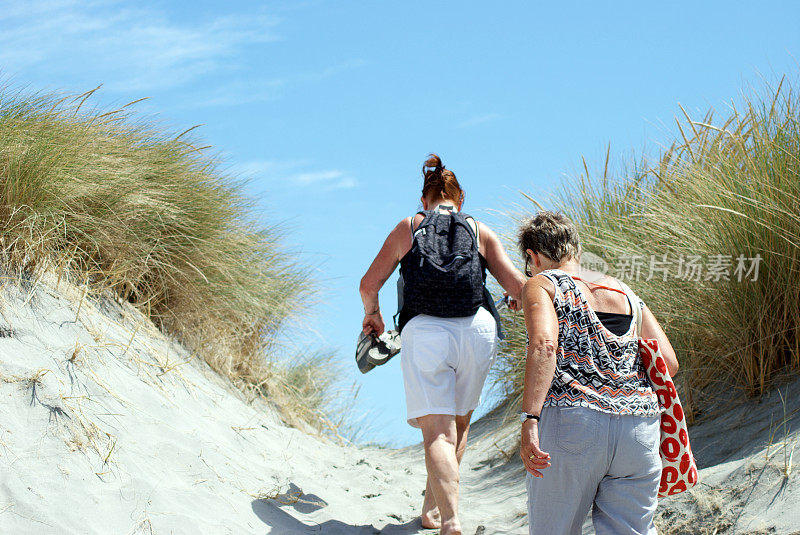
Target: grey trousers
(607, 462)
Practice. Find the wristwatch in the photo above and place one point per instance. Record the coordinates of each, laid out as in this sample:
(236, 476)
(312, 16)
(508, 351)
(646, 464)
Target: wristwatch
(524, 416)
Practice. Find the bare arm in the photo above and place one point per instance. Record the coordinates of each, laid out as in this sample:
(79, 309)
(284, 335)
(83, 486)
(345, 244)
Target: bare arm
(499, 263)
(652, 330)
(542, 325)
(379, 272)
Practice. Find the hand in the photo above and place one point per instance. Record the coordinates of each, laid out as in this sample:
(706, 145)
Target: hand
(534, 458)
(512, 303)
(373, 324)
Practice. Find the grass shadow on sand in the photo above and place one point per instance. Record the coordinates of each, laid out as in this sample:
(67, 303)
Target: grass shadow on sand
(281, 521)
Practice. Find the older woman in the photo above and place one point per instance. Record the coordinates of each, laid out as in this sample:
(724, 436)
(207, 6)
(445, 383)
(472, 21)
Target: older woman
(590, 418)
(448, 335)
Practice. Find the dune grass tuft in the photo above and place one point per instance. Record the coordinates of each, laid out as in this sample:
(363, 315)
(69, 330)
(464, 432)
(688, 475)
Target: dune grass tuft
(729, 188)
(122, 205)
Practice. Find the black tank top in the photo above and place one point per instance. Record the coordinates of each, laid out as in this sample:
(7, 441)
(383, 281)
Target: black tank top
(615, 322)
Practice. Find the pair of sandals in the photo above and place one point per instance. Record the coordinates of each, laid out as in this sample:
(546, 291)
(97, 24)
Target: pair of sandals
(372, 350)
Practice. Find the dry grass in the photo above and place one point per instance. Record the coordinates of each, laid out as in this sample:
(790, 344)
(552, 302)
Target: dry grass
(707, 512)
(722, 188)
(119, 204)
(782, 439)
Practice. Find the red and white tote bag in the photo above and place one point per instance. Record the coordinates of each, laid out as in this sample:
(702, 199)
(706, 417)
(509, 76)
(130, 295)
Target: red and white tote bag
(679, 470)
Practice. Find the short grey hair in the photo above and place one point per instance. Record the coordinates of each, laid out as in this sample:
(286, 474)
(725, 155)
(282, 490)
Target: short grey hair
(550, 233)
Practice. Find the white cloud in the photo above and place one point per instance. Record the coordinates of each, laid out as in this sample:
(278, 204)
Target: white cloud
(290, 173)
(266, 168)
(134, 49)
(345, 183)
(326, 180)
(318, 177)
(235, 93)
(247, 91)
(479, 119)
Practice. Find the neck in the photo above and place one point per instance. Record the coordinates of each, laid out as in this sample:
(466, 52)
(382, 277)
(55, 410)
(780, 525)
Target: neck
(571, 266)
(443, 202)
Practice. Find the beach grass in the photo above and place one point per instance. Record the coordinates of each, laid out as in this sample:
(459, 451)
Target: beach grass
(724, 196)
(121, 204)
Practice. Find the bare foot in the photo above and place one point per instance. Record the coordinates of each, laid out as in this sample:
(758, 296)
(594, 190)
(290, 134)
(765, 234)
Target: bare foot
(451, 527)
(431, 519)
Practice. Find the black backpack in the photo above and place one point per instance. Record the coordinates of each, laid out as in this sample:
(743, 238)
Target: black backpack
(442, 273)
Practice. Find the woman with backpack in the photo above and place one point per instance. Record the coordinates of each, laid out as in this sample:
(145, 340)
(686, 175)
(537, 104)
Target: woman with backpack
(449, 337)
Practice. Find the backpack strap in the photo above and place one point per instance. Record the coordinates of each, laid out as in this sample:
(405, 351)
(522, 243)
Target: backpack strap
(490, 306)
(476, 230)
(411, 223)
(396, 317)
(462, 219)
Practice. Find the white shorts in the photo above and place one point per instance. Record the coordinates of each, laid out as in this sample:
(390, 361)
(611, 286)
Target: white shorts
(445, 362)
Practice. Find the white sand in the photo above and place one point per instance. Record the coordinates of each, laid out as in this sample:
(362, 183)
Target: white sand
(136, 436)
(747, 451)
(143, 438)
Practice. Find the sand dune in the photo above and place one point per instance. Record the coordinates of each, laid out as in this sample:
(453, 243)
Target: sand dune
(749, 480)
(108, 427)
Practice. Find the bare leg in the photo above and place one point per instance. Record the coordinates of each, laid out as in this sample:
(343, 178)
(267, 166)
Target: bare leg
(439, 439)
(431, 518)
(462, 430)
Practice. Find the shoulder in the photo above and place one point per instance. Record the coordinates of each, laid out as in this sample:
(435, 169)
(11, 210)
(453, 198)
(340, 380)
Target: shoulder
(486, 233)
(401, 231)
(403, 225)
(616, 283)
(399, 238)
(611, 282)
(536, 284)
(406, 221)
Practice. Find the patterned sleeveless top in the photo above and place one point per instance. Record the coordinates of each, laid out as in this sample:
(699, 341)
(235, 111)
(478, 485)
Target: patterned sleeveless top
(594, 367)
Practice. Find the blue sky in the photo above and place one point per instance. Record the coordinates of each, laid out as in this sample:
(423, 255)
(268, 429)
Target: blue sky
(330, 107)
